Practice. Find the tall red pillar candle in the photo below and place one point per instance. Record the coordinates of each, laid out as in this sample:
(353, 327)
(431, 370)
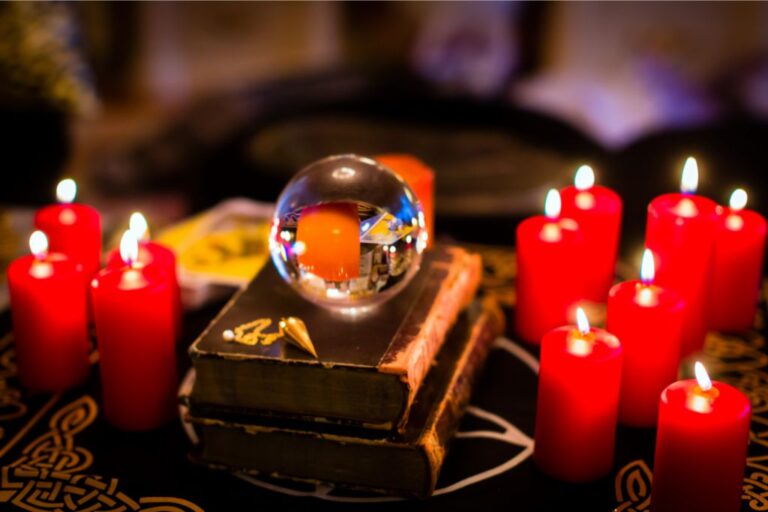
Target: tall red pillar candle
(73, 229)
(681, 233)
(152, 253)
(701, 446)
(133, 309)
(738, 268)
(597, 210)
(549, 285)
(50, 320)
(421, 179)
(578, 402)
(648, 320)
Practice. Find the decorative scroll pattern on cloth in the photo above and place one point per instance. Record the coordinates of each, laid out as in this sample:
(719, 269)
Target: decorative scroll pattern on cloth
(49, 474)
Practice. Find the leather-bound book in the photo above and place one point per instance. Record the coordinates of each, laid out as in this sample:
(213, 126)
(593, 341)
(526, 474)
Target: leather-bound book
(406, 463)
(368, 368)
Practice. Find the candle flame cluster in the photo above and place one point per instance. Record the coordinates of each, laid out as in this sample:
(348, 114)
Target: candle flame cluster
(138, 226)
(129, 248)
(38, 244)
(647, 267)
(738, 199)
(690, 180)
(585, 178)
(66, 191)
(553, 204)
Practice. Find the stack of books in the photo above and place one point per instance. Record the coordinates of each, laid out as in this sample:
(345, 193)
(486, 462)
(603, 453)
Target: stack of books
(377, 407)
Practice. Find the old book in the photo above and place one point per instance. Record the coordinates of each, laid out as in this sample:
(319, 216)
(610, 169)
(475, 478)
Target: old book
(368, 369)
(406, 463)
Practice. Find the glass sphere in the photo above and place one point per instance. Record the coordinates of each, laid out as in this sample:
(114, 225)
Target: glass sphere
(347, 233)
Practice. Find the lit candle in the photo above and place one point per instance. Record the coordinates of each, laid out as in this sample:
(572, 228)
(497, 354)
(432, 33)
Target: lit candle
(681, 234)
(550, 252)
(597, 210)
(73, 229)
(133, 309)
(648, 320)
(738, 268)
(701, 446)
(578, 400)
(49, 315)
(152, 253)
(421, 179)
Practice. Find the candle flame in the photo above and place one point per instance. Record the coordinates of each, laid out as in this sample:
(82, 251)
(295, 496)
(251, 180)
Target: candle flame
(129, 248)
(702, 377)
(647, 267)
(552, 204)
(38, 244)
(585, 178)
(581, 321)
(66, 191)
(138, 226)
(690, 181)
(738, 199)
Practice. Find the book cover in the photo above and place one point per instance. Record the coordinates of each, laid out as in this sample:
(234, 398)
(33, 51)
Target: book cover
(355, 457)
(368, 368)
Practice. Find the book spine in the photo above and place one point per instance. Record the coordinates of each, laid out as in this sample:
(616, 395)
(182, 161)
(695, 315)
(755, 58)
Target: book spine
(435, 441)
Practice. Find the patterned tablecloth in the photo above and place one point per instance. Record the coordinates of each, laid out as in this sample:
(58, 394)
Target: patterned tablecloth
(57, 453)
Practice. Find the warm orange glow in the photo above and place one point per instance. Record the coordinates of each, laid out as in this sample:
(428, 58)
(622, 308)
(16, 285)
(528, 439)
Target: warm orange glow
(690, 180)
(702, 377)
(738, 199)
(585, 178)
(138, 226)
(38, 244)
(129, 248)
(647, 267)
(581, 321)
(552, 204)
(66, 191)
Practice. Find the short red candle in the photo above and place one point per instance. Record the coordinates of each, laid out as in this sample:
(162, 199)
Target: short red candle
(701, 447)
(597, 210)
(152, 253)
(421, 179)
(578, 401)
(681, 234)
(738, 268)
(73, 229)
(50, 320)
(133, 309)
(549, 271)
(648, 320)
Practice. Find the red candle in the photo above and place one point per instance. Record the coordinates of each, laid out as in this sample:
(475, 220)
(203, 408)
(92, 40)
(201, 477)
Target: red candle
(421, 179)
(549, 271)
(73, 229)
(648, 320)
(578, 402)
(133, 309)
(597, 210)
(50, 320)
(152, 253)
(738, 268)
(701, 446)
(681, 234)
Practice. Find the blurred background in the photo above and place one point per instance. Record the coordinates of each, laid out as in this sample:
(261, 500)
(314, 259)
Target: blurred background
(173, 107)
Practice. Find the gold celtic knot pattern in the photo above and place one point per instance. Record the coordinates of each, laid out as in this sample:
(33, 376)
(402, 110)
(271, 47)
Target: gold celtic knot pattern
(633, 487)
(48, 475)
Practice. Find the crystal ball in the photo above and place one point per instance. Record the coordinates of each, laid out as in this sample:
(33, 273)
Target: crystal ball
(347, 233)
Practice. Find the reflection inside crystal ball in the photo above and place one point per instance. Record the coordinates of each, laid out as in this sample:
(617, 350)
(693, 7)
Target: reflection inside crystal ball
(347, 233)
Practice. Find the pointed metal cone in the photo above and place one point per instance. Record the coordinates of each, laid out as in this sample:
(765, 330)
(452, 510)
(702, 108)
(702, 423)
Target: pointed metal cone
(296, 331)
